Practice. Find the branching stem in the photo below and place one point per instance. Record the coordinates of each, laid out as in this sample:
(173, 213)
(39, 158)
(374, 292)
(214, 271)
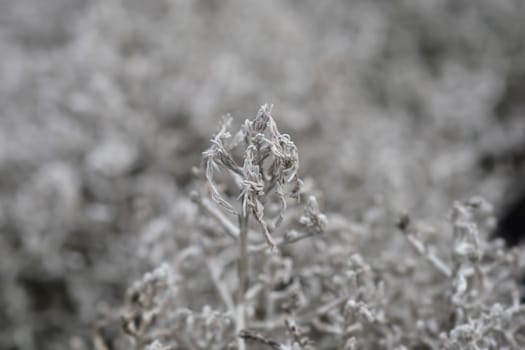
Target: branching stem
(243, 276)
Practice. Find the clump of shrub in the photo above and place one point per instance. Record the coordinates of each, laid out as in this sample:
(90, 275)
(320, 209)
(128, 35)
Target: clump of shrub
(266, 268)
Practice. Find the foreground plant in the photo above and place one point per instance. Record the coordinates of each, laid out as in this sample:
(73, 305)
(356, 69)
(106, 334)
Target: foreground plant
(246, 276)
(252, 177)
(268, 163)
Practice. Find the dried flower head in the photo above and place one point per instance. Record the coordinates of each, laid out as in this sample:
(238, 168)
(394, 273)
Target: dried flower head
(269, 169)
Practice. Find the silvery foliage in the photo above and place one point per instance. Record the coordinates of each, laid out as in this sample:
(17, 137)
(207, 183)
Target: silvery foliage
(270, 163)
(332, 282)
(262, 186)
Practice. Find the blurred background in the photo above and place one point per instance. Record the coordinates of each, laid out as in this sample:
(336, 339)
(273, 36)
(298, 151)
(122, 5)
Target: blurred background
(105, 107)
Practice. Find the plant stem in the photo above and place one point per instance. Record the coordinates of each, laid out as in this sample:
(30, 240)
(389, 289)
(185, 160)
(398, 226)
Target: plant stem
(208, 206)
(243, 276)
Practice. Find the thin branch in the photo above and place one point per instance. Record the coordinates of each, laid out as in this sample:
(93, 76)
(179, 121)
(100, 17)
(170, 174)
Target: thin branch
(323, 309)
(209, 208)
(221, 287)
(260, 339)
(243, 277)
(280, 242)
(424, 251)
(421, 248)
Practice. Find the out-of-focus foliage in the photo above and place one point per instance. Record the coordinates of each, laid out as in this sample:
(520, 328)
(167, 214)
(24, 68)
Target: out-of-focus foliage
(106, 106)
